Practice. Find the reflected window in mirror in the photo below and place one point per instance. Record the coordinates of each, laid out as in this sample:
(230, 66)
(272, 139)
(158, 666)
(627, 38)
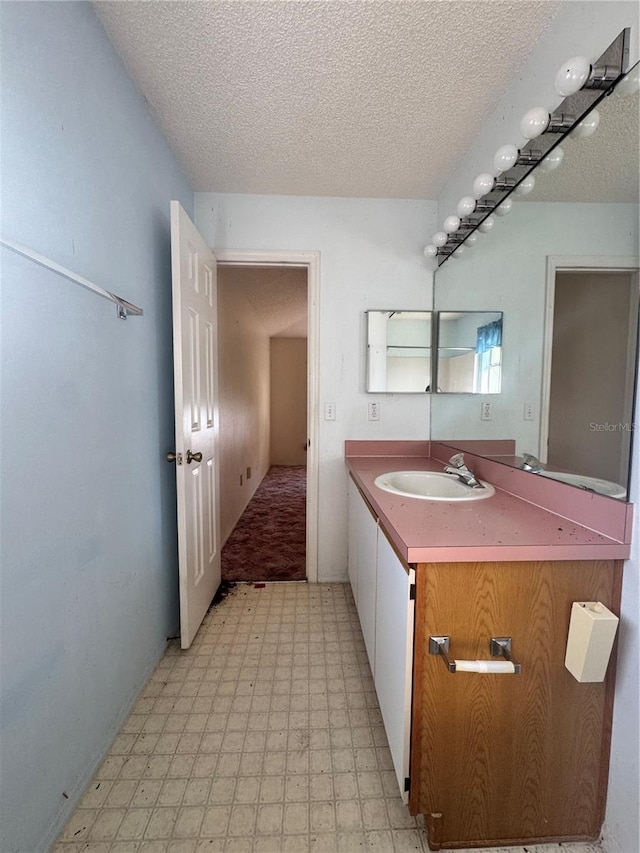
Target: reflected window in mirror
(398, 351)
(469, 352)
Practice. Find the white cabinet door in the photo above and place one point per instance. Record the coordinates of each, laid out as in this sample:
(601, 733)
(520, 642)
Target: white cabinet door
(394, 654)
(363, 526)
(352, 565)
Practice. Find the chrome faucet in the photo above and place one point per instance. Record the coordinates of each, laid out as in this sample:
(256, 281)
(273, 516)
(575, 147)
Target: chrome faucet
(531, 463)
(462, 472)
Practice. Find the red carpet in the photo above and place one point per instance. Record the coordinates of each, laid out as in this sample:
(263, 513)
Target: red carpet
(268, 543)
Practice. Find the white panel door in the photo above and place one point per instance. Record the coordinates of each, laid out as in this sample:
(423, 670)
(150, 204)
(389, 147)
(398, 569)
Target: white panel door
(394, 654)
(196, 415)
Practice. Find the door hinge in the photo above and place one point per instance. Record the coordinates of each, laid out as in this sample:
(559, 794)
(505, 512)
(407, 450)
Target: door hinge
(407, 784)
(412, 592)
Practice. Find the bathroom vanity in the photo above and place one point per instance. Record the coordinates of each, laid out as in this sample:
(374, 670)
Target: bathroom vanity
(488, 758)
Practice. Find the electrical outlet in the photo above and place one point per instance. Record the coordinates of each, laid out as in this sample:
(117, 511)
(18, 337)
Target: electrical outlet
(329, 411)
(528, 413)
(486, 411)
(374, 411)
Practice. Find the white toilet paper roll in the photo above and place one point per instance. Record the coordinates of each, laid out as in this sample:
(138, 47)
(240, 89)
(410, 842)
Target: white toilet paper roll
(492, 666)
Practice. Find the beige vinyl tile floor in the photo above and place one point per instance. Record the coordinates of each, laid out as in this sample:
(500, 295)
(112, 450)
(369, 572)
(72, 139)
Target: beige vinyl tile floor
(264, 737)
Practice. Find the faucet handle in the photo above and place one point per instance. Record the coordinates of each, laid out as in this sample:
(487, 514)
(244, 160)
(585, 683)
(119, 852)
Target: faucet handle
(458, 460)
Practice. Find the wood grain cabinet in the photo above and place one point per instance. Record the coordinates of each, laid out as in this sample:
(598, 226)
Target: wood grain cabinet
(505, 759)
(495, 759)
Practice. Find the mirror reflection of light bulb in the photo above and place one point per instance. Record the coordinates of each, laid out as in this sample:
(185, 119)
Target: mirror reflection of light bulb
(587, 126)
(466, 206)
(471, 240)
(504, 207)
(483, 184)
(451, 224)
(430, 251)
(505, 157)
(525, 186)
(487, 224)
(534, 122)
(439, 238)
(572, 75)
(552, 160)
(630, 83)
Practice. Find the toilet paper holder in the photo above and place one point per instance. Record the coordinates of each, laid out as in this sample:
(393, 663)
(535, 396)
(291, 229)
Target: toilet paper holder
(498, 647)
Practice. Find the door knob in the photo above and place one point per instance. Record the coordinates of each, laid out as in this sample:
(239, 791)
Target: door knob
(174, 457)
(193, 457)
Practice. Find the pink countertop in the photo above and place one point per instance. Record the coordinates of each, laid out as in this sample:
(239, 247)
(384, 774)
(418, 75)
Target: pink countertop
(502, 527)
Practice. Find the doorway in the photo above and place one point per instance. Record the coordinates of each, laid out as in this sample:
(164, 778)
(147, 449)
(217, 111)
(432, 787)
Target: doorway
(268, 410)
(590, 361)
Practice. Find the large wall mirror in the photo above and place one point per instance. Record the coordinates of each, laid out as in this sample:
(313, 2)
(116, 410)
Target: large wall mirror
(563, 267)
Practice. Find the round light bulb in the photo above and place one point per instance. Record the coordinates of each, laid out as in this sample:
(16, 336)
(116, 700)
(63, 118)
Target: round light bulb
(430, 251)
(466, 206)
(483, 184)
(525, 186)
(552, 160)
(451, 224)
(572, 75)
(439, 238)
(504, 208)
(534, 123)
(505, 157)
(471, 240)
(587, 126)
(487, 224)
(630, 83)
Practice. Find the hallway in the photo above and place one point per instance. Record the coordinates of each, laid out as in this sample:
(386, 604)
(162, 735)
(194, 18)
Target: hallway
(264, 737)
(269, 541)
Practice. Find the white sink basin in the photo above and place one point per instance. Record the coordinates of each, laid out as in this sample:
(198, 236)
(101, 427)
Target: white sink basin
(431, 486)
(603, 487)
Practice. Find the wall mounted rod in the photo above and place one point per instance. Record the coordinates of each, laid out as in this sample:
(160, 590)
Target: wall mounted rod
(124, 307)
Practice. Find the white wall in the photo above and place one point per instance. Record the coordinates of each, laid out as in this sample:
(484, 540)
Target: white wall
(579, 28)
(243, 390)
(371, 258)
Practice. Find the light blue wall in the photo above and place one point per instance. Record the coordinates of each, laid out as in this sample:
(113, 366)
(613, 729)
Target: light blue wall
(88, 543)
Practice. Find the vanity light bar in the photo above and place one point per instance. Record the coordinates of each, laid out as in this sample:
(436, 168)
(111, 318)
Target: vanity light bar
(585, 85)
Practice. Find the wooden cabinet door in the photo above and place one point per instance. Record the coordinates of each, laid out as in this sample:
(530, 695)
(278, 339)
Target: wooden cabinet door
(500, 759)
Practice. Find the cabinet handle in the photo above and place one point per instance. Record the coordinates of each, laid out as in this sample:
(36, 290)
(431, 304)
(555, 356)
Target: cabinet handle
(498, 647)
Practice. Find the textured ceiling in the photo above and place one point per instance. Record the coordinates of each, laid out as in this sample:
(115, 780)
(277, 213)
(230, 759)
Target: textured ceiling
(364, 98)
(278, 295)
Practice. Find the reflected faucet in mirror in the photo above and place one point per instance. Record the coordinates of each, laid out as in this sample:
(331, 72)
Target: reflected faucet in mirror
(531, 463)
